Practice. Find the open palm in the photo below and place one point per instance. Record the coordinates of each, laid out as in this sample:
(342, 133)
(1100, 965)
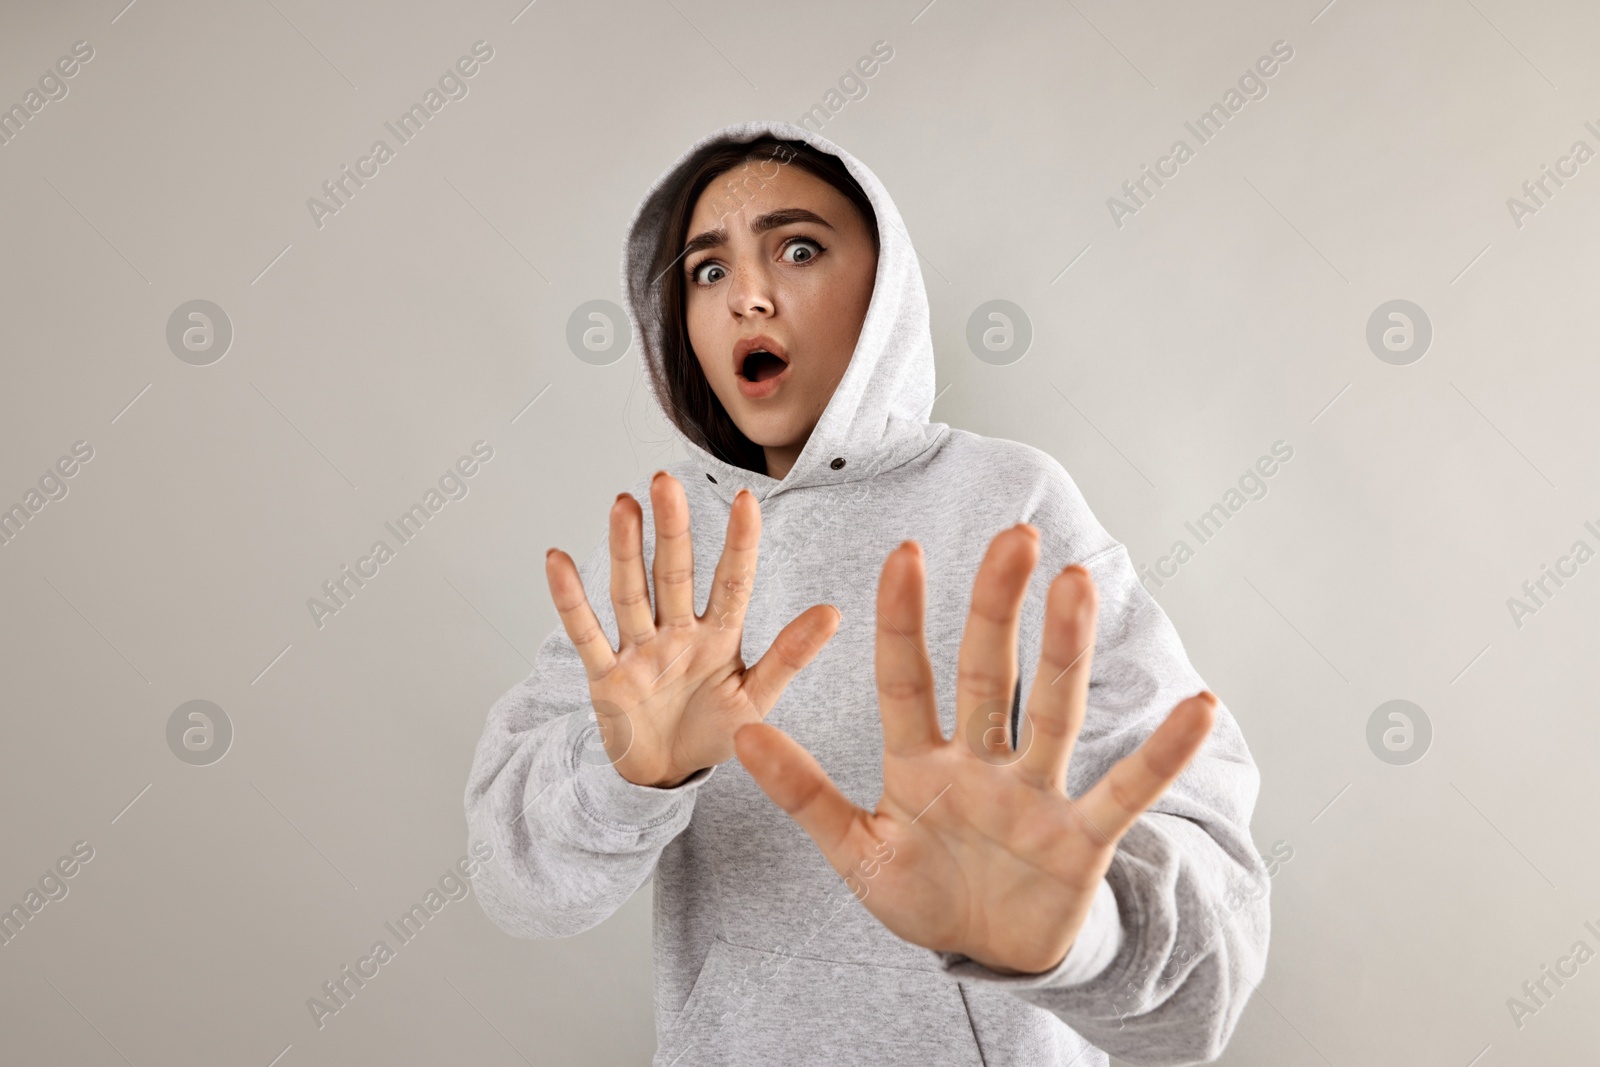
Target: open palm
(975, 847)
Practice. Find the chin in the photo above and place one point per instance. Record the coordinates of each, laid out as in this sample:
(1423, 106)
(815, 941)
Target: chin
(769, 431)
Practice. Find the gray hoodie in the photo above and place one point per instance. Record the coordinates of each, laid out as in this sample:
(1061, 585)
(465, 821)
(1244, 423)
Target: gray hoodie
(763, 956)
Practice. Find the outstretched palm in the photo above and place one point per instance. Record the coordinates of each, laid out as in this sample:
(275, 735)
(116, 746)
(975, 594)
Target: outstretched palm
(976, 848)
(669, 700)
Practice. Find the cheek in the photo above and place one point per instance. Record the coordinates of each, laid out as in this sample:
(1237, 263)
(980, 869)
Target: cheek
(829, 309)
(823, 304)
(704, 337)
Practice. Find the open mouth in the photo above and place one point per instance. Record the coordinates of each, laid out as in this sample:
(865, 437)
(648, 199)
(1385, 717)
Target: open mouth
(760, 365)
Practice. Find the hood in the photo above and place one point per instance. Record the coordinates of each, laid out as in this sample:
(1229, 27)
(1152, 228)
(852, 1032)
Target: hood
(877, 418)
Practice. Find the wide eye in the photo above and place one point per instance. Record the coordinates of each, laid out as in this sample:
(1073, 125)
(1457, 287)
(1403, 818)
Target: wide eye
(801, 250)
(708, 273)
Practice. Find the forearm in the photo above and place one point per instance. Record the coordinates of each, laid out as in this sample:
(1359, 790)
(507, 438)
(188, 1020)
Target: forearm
(572, 839)
(1189, 952)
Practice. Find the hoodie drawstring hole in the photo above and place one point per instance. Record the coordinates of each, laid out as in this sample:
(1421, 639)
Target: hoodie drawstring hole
(838, 463)
(713, 480)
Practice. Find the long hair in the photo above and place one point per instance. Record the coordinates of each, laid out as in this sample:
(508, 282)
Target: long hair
(675, 369)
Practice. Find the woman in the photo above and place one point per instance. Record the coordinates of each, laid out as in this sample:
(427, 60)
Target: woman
(1040, 882)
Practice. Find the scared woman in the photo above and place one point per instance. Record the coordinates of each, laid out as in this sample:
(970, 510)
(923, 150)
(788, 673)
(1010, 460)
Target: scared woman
(971, 803)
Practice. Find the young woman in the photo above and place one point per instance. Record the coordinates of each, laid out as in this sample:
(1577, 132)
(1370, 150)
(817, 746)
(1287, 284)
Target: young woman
(867, 848)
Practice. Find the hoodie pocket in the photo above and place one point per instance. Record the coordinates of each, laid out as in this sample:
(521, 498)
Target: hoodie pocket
(750, 1007)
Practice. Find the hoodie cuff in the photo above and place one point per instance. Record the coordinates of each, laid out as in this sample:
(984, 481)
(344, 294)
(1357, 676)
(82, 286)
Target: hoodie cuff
(1096, 946)
(623, 805)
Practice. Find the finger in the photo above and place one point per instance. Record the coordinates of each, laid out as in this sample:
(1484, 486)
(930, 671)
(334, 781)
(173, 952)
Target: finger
(630, 597)
(906, 699)
(577, 617)
(986, 668)
(674, 562)
(736, 569)
(1137, 780)
(1060, 693)
(796, 645)
(796, 782)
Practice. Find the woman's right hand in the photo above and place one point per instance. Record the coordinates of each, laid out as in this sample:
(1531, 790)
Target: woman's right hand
(670, 699)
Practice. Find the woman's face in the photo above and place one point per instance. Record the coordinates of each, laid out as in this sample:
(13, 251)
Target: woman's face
(778, 275)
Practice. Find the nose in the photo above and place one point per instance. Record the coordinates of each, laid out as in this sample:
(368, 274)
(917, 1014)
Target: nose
(750, 294)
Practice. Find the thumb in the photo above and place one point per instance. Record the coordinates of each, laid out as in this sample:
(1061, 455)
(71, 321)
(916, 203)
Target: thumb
(796, 645)
(796, 782)
(1140, 778)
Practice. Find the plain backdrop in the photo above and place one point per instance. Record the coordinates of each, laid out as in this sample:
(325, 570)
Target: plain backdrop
(1172, 345)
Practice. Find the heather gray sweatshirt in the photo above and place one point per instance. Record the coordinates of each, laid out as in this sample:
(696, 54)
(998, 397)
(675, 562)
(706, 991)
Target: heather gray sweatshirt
(762, 955)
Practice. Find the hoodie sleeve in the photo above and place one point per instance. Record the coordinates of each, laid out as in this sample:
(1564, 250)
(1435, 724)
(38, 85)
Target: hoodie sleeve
(572, 838)
(1173, 947)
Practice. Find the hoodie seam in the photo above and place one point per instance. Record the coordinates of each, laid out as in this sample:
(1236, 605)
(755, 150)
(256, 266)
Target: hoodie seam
(966, 1009)
(830, 959)
(1094, 557)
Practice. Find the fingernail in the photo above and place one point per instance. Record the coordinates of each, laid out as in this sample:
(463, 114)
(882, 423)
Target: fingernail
(655, 476)
(621, 497)
(549, 552)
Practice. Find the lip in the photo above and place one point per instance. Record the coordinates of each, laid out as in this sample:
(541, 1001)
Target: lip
(747, 345)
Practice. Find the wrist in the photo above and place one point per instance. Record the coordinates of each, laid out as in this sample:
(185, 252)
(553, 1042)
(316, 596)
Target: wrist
(1012, 972)
(670, 783)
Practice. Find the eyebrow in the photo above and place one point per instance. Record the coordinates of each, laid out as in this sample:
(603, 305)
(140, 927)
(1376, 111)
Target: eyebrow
(760, 224)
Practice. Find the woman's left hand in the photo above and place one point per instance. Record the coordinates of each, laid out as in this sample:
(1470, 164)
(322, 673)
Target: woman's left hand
(975, 847)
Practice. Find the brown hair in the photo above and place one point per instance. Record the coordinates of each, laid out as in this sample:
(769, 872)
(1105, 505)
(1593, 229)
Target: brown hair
(675, 370)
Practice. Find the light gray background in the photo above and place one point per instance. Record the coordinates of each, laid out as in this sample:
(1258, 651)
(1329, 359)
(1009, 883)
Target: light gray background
(369, 354)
